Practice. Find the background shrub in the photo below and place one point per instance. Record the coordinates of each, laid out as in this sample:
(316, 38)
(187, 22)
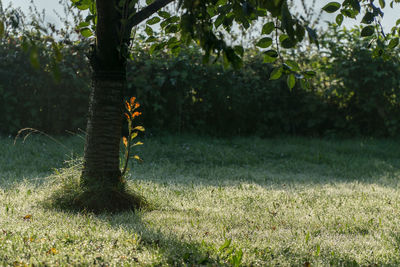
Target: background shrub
(31, 97)
(364, 87)
(354, 93)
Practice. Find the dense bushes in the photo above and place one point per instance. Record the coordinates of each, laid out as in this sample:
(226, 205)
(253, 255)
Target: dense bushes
(354, 93)
(364, 87)
(182, 94)
(43, 74)
(31, 97)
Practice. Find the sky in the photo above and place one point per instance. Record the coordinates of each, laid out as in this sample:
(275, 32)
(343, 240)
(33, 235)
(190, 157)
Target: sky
(391, 15)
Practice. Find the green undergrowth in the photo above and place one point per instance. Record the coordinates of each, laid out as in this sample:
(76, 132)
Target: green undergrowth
(241, 201)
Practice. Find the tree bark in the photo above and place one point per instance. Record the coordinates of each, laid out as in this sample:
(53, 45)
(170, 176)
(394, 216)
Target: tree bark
(103, 132)
(101, 156)
(101, 175)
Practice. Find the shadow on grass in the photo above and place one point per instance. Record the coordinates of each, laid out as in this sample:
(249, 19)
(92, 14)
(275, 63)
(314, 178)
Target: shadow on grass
(219, 162)
(270, 162)
(35, 158)
(175, 250)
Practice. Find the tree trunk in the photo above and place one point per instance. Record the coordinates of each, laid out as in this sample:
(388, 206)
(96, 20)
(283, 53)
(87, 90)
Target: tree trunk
(101, 156)
(101, 181)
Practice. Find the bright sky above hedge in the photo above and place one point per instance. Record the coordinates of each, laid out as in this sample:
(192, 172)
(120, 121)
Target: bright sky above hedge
(391, 15)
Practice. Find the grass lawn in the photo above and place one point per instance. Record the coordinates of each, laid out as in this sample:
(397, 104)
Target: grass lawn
(247, 201)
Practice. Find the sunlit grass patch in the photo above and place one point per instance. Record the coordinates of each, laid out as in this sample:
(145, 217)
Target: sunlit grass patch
(214, 201)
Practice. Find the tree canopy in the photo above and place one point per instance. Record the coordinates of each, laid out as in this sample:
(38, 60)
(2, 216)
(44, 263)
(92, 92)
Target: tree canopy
(206, 21)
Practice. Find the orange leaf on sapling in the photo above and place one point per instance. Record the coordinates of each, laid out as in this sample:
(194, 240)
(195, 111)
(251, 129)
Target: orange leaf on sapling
(136, 114)
(127, 116)
(125, 141)
(128, 106)
(132, 100)
(137, 105)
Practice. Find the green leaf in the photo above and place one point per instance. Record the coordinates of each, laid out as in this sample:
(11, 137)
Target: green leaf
(300, 32)
(156, 47)
(276, 73)
(382, 3)
(172, 28)
(268, 59)
(288, 43)
(219, 21)
(86, 32)
(293, 65)
(151, 39)
(367, 31)
(339, 19)
(309, 73)
(355, 4)
(271, 53)
(368, 18)
(153, 20)
(268, 28)
(148, 30)
(283, 37)
(164, 14)
(305, 84)
(83, 24)
(312, 35)
(287, 20)
(239, 50)
(331, 7)
(393, 43)
(291, 81)
(211, 10)
(82, 4)
(350, 13)
(264, 42)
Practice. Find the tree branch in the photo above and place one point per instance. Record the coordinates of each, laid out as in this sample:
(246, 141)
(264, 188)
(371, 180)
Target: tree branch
(148, 11)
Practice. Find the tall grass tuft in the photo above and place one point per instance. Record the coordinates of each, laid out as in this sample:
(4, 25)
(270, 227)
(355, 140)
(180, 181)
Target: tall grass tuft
(68, 194)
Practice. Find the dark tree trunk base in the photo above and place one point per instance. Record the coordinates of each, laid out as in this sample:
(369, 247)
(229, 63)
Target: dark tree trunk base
(72, 197)
(108, 200)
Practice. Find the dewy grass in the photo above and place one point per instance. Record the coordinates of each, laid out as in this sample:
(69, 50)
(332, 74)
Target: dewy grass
(242, 201)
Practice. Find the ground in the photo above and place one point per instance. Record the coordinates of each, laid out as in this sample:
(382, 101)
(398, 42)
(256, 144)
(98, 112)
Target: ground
(240, 201)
